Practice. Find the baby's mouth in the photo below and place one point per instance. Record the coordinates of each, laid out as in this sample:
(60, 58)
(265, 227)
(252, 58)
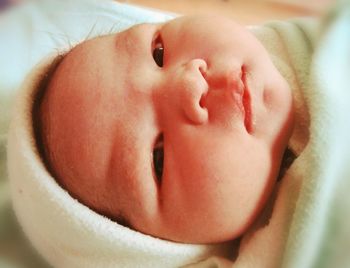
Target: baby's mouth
(246, 100)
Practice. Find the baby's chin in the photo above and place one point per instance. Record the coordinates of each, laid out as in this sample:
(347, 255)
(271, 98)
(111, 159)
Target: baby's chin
(209, 236)
(207, 232)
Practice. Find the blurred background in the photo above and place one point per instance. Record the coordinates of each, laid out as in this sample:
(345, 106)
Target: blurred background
(243, 11)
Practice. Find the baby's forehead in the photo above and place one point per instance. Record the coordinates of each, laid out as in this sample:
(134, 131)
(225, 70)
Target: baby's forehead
(73, 58)
(69, 64)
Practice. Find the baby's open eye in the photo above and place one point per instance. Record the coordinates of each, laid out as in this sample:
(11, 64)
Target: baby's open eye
(158, 157)
(158, 51)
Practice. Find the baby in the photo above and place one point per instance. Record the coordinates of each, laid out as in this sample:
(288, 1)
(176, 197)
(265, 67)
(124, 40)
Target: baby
(176, 130)
(164, 145)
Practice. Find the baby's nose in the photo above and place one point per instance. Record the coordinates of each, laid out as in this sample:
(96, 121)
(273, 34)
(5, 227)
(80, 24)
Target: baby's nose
(194, 88)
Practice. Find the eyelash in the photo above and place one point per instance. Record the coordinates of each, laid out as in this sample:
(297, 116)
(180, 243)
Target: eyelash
(158, 50)
(158, 157)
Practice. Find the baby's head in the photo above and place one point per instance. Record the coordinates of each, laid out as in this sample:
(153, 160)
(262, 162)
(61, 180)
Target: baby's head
(176, 130)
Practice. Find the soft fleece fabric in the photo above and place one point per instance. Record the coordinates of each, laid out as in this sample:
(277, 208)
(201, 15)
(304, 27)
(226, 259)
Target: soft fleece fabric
(308, 226)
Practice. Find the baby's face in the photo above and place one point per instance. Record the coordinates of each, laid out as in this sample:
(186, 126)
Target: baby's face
(185, 143)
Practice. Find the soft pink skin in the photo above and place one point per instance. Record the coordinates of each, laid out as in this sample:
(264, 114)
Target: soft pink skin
(108, 102)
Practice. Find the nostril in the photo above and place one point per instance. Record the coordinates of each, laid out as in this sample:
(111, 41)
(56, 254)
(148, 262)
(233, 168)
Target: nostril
(192, 78)
(202, 101)
(203, 68)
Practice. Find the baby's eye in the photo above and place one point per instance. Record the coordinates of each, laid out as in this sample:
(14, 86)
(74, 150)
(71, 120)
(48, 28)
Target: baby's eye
(158, 51)
(158, 157)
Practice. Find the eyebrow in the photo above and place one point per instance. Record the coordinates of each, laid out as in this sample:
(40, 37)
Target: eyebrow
(131, 41)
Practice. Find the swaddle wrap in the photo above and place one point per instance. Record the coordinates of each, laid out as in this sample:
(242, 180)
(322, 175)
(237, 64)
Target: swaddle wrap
(313, 204)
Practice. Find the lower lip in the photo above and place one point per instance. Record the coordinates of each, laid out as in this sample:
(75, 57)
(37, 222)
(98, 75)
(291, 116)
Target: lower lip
(247, 106)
